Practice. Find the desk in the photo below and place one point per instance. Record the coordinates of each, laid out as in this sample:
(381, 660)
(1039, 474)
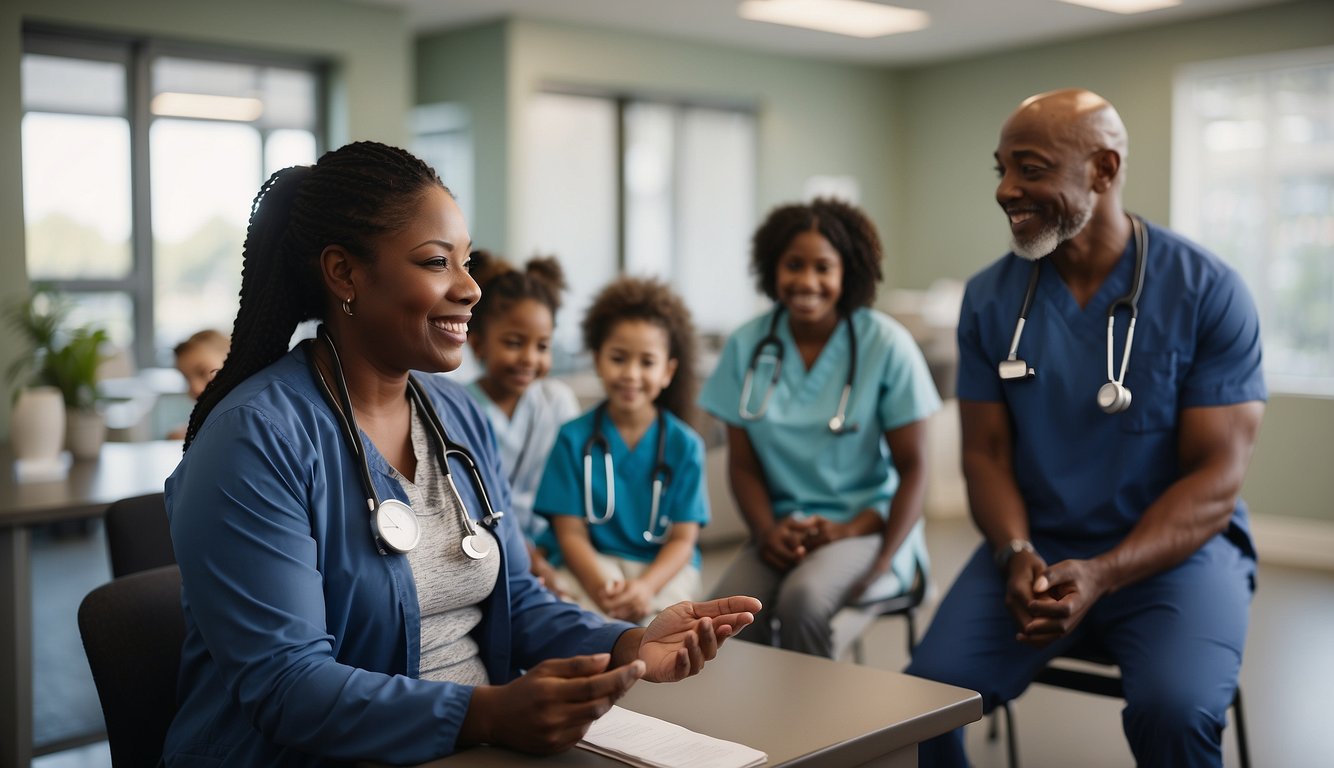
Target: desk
(803, 711)
(122, 470)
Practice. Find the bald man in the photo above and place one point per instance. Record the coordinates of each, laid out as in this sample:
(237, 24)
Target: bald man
(1103, 474)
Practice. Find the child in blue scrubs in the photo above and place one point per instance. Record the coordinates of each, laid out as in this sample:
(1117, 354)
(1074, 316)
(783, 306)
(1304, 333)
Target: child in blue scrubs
(510, 335)
(624, 485)
(825, 401)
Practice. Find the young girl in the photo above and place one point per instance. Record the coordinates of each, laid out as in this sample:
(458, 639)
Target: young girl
(825, 401)
(624, 485)
(510, 335)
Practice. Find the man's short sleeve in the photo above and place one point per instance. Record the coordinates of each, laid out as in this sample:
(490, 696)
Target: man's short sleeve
(977, 377)
(1227, 365)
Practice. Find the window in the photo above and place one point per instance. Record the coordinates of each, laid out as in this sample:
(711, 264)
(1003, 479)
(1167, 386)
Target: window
(644, 187)
(1253, 180)
(140, 161)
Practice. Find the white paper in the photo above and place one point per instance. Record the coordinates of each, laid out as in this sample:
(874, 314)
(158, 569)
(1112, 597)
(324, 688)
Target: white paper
(642, 740)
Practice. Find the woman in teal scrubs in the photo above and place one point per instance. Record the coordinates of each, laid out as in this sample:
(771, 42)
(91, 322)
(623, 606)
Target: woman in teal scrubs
(827, 442)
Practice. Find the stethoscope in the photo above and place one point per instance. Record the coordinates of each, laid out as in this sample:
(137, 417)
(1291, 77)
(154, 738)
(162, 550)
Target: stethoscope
(838, 424)
(1114, 396)
(393, 523)
(662, 477)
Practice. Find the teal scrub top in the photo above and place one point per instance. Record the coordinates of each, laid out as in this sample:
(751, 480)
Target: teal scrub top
(807, 467)
(684, 499)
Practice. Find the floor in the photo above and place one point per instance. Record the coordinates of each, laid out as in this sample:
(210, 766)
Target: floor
(1287, 676)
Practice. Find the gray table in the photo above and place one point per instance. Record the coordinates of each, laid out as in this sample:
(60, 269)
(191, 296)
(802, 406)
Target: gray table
(801, 710)
(122, 470)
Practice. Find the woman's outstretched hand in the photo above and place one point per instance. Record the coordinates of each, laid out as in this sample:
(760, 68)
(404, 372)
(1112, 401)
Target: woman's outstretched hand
(679, 641)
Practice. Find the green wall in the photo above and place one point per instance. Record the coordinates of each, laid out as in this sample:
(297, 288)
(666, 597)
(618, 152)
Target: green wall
(468, 67)
(371, 50)
(813, 117)
(951, 226)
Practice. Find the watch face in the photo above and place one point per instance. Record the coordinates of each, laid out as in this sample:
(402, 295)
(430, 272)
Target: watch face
(397, 525)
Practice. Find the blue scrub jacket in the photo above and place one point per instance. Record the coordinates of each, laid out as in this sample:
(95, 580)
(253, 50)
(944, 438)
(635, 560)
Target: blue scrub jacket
(302, 641)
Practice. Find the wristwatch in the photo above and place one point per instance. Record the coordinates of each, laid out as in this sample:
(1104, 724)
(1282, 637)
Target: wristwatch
(1003, 554)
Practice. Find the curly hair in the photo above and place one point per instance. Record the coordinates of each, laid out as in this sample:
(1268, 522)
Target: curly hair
(847, 229)
(635, 298)
(348, 197)
(541, 280)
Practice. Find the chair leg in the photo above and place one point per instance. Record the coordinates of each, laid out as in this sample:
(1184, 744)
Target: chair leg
(912, 633)
(1239, 718)
(858, 653)
(1013, 750)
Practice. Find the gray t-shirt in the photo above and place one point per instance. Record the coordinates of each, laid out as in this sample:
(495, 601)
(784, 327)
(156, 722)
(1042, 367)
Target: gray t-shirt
(450, 585)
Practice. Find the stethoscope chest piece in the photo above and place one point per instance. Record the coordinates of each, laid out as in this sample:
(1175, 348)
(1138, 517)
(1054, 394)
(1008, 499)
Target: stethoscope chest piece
(396, 525)
(1113, 397)
(475, 547)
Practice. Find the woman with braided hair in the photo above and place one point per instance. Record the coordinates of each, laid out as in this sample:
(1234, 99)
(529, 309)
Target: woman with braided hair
(347, 597)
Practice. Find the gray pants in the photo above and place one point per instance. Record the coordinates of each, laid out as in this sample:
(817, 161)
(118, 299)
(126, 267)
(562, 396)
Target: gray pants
(802, 601)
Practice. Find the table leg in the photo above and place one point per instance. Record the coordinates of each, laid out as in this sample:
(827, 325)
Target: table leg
(15, 647)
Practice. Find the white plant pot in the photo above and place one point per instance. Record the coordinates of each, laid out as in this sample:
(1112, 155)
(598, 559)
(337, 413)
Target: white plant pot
(85, 431)
(37, 425)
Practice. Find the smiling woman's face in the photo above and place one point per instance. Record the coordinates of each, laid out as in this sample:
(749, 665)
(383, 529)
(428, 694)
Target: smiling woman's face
(413, 302)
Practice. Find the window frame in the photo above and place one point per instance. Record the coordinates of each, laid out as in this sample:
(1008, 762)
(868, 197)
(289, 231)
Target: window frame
(137, 54)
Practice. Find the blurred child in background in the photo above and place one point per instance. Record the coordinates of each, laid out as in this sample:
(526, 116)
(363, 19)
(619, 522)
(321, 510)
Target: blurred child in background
(624, 485)
(199, 358)
(510, 335)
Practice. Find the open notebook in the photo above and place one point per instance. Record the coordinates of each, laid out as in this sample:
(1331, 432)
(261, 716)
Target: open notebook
(642, 740)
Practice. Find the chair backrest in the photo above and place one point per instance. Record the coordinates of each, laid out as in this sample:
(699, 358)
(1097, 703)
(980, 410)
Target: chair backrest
(138, 534)
(133, 629)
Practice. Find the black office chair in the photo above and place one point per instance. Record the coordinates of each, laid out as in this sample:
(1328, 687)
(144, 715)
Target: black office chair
(1098, 683)
(138, 535)
(132, 631)
(904, 605)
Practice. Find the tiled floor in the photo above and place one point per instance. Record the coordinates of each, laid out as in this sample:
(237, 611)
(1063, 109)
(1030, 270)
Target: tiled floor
(1287, 677)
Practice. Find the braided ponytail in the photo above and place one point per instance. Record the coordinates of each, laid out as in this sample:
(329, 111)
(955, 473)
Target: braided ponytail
(350, 196)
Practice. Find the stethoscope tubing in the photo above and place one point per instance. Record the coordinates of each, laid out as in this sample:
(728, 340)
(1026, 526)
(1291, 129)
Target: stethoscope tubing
(1118, 397)
(838, 423)
(662, 477)
(341, 404)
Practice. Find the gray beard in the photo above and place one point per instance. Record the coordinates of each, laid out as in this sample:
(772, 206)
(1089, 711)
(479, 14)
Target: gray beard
(1050, 237)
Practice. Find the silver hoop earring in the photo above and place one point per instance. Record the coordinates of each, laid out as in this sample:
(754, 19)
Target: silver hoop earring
(347, 307)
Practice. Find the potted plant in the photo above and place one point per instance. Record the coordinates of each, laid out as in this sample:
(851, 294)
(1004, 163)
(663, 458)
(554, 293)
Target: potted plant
(59, 361)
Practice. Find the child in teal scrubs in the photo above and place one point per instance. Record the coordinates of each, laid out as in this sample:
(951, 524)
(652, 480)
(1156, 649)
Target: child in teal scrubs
(624, 484)
(510, 335)
(825, 401)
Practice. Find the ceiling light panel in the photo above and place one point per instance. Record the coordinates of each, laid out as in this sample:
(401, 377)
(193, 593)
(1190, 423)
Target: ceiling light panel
(1125, 6)
(853, 18)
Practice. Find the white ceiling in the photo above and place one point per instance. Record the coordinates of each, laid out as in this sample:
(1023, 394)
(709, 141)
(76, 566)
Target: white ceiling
(958, 28)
